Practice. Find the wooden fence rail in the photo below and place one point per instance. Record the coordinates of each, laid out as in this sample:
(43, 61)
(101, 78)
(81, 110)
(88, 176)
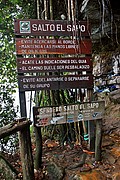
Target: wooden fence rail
(13, 127)
(23, 126)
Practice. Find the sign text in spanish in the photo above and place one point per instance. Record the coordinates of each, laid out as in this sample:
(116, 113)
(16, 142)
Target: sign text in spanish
(27, 83)
(26, 65)
(52, 46)
(51, 27)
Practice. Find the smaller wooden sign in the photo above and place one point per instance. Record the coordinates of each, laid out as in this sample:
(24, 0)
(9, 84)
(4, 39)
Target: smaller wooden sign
(52, 46)
(26, 65)
(69, 113)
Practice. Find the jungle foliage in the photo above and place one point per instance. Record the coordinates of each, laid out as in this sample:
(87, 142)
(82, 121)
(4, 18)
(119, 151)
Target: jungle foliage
(9, 10)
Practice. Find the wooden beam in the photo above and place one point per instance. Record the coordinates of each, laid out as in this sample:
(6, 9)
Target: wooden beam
(13, 127)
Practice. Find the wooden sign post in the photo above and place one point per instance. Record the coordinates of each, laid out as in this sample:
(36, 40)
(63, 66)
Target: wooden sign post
(63, 37)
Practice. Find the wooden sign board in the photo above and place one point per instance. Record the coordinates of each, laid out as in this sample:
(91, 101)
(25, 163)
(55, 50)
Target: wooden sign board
(34, 83)
(37, 27)
(26, 65)
(69, 113)
(52, 46)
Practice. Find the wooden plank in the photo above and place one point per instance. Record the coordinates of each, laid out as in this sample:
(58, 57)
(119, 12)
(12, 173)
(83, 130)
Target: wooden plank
(32, 83)
(51, 27)
(26, 65)
(52, 46)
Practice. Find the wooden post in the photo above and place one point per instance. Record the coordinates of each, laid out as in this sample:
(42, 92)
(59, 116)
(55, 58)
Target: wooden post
(22, 100)
(26, 154)
(25, 140)
(38, 154)
(98, 140)
(91, 132)
(25, 144)
(91, 126)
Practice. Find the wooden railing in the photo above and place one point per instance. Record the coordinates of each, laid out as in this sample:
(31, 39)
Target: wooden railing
(23, 126)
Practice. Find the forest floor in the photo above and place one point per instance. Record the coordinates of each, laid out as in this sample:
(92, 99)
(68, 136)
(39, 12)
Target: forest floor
(77, 162)
(67, 163)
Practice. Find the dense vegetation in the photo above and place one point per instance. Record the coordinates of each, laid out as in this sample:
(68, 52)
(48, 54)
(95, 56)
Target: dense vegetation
(9, 10)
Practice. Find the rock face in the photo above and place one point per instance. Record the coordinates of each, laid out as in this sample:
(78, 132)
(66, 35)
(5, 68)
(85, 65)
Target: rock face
(103, 23)
(105, 42)
(101, 14)
(115, 96)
